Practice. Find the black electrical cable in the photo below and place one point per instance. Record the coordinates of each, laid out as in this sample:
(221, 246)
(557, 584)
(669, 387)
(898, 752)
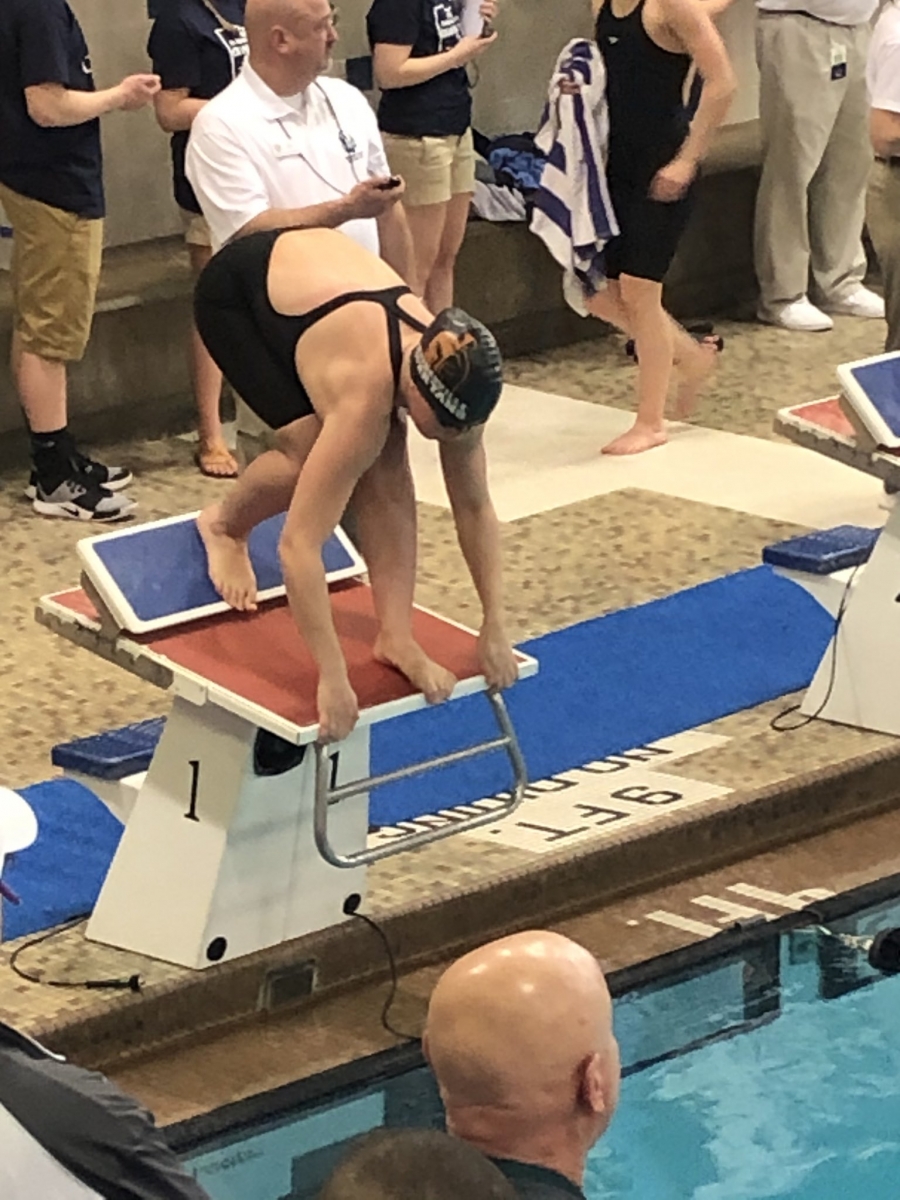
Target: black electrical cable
(351, 911)
(776, 722)
(131, 984)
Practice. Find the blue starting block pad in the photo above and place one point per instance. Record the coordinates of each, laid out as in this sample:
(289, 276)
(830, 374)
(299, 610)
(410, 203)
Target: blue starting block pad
(114, 754)
(872, 386)
(823, 552)
(153, 576)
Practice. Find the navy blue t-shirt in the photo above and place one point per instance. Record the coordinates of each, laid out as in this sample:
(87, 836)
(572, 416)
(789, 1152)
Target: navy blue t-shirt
(439, 107)
(191, 48)
(42, 42)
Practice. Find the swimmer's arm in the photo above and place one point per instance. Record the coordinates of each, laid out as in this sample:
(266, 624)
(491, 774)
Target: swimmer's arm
(464, 466)
(691, 24)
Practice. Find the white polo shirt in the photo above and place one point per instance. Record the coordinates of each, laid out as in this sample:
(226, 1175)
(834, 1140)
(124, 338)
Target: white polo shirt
(883, 71)
(251, 150)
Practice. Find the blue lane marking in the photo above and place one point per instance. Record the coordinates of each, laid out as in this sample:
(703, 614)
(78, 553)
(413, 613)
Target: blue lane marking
(161, 571)
(881, 383)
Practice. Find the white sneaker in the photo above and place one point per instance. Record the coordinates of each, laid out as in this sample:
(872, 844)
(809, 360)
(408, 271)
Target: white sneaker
(861, 302)
(800, 315)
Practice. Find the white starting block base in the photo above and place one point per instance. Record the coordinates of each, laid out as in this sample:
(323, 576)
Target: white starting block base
(858, 680)
(244, 833)
(218, 860)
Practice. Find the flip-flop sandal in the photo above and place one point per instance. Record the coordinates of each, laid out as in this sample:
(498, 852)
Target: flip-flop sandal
(701, 332)
(215, 456)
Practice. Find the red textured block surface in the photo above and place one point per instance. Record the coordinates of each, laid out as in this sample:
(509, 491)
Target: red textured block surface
(262, 657)
(828, 414)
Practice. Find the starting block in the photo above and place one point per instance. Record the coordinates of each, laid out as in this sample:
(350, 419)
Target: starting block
(858, 680)
(245, 832)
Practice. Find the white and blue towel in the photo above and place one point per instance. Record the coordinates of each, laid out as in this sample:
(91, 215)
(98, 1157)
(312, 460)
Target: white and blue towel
(573, 213)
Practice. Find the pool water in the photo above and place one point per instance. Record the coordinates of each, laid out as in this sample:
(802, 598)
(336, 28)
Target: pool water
(771, 1072)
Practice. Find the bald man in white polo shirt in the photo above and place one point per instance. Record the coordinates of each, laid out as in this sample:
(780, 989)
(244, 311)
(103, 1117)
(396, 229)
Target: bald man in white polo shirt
(283, 146)
(816, 159)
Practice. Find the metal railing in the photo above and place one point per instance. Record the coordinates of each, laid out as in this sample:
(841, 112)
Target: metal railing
(326, 795)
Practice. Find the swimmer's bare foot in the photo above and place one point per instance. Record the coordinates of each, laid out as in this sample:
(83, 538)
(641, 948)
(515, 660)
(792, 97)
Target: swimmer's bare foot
(228, 561)
(636, 439)
(429, 677)
(693, 374)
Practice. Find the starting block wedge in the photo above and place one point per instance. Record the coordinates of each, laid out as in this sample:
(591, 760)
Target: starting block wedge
(858, 680)
(872, 387)
(245, 831)
(153, 576)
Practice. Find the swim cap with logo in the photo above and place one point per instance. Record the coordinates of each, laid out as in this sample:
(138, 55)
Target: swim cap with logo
(458, 370)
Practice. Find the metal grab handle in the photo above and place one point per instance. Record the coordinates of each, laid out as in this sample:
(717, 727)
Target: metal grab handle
(326, 795)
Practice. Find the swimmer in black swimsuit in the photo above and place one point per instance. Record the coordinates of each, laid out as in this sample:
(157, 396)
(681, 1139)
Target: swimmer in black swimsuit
(326, 344)
(654, 154)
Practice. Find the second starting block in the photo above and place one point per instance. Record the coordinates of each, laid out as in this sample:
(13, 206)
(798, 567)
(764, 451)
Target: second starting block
(245, 831)
(858, 680)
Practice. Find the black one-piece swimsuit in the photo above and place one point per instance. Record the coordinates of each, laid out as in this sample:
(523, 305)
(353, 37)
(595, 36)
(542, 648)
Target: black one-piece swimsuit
(647, 125)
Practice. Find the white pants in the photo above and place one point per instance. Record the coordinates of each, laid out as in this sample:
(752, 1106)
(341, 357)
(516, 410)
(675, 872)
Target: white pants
(816, 159)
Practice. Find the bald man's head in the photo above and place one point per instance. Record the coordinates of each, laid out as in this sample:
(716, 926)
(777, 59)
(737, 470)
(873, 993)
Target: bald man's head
(290, 41)
(520, 1037)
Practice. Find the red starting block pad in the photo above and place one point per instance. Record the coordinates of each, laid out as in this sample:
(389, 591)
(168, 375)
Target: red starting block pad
(243, 833)
(824, 426)
(257, 666)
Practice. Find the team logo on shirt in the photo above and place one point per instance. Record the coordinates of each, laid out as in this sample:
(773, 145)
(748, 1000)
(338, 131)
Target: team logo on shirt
(236, 46)
(86, 66)
(447, 24)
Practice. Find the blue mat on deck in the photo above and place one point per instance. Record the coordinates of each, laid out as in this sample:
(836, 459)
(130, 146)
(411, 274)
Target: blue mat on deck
(616, 682)
(605, 685)
(60, 875)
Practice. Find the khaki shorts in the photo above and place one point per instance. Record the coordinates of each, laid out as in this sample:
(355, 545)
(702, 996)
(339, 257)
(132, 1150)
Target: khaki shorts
(434, 168)
(54, 273)
(196, 229)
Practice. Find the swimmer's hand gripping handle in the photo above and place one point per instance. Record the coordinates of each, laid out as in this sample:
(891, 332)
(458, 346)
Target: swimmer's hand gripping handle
(326, 795)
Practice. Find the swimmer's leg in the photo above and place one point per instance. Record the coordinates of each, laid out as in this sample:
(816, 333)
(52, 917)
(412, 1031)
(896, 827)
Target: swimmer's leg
(262, 491)
(383, 516)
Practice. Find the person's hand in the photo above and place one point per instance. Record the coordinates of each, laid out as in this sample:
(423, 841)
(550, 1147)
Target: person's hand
(469, 48)
(487, 10)
(569, 87)
(498, 662)
(372, 197)
(672, 181)
(137, 91)
(338, 709)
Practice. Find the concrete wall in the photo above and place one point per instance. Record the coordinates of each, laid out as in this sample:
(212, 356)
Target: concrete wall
(138, 180)
(508, 98)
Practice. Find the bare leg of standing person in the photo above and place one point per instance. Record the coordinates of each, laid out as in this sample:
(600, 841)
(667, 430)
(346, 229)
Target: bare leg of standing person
(694, 361)
(438, 293)
(213, 456)
(426, 227)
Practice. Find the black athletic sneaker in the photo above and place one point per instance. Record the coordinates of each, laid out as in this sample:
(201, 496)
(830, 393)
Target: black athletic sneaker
(114, 479)
(79, 499)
